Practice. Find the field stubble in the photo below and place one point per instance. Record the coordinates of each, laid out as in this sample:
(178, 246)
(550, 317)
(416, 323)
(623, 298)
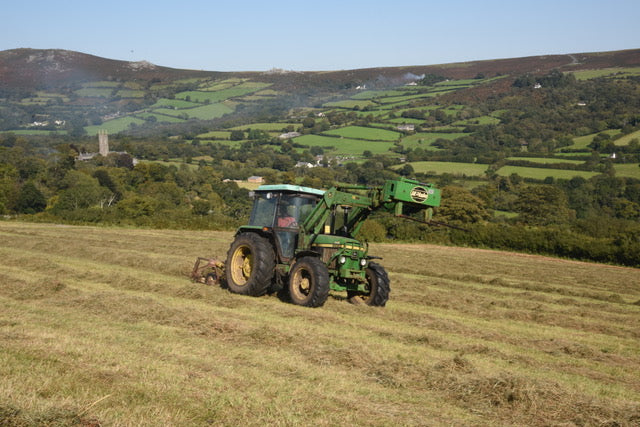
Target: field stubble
(102, 326)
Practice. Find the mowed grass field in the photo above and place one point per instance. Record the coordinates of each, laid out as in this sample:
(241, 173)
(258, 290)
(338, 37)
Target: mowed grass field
(101, 326)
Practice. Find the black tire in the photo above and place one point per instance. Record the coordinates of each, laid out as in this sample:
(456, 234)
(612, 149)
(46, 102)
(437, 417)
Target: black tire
(250, 265)
(309, 282)
(378, 287)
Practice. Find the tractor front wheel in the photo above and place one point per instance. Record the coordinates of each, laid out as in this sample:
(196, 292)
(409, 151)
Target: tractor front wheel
(250, 265)
(309, 282)
(378, 287)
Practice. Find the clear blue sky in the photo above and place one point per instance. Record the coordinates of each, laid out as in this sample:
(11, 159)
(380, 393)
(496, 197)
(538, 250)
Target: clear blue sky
(241, 35)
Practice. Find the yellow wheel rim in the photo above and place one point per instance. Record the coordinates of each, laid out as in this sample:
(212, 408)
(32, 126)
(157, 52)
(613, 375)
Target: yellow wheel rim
(241, 265)
(301, 283)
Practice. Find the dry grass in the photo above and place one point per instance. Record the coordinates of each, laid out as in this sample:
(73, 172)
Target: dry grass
(100, 326)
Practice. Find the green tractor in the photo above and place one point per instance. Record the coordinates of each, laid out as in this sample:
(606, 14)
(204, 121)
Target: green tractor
(303, 239)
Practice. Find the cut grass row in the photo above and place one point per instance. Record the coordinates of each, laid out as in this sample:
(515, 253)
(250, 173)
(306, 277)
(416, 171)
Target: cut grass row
(112, 332)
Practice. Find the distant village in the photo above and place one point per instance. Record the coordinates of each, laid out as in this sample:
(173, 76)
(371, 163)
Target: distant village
(103, 149)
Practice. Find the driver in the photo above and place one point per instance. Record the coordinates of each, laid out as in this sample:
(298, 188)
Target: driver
(285, 220)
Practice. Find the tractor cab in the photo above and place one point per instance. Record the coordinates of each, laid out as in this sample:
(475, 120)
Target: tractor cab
(283, 208)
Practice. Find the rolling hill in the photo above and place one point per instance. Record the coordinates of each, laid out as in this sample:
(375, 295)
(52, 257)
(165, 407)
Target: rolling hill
(65, 91)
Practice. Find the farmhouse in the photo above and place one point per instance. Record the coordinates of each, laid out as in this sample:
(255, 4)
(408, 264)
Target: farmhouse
(406, 127)
(289, 135)
(305, 165)
(255, 179)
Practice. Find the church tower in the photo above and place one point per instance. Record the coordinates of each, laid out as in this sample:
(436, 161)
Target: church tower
(103, 143)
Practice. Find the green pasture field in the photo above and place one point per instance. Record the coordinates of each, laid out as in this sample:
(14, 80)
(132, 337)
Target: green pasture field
(178, 163)
(626, 139)
(425, 139)
(373, 94)
(349, 104)
(606, 72)
(629, 170)
(360, 132)
(404, 98)
(582, 142)
(404, 103)
(114, 126)
(578, 154)
(112, 332)
(546, 160)
(44, 98)
(221, 95)
(212, 87)
(269, 127)
(378, 113)
(215, 134)
(383, 125)
(453, 168)
(202, 97)
(94, 92)
(174, 103)
(208, 112)
(261, 95)
(542, 173)
(405, 120)
(181, 114)
(130, 93)
(344, 146)
(133, 85)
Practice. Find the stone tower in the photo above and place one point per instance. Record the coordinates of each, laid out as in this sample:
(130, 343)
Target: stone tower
(103, 143)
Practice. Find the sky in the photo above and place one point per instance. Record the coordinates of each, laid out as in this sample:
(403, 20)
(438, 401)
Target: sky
(251, 35)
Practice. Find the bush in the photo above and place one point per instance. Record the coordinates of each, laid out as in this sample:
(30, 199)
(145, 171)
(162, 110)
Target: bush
(372, 231)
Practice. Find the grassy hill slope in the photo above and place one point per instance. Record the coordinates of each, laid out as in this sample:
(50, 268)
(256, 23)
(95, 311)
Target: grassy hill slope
(102, 325)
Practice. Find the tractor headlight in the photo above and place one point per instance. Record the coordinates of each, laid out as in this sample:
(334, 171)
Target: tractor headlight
(342, 259)
(363, 262)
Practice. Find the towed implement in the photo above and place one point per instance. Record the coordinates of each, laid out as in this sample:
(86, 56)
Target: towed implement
(303, 241)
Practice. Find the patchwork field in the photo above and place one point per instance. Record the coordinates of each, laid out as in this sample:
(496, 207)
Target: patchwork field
(542, 173)
(344, 146)
(546, 160)
(630, 170)
(359, 132)
(438, 168)
(101, 326)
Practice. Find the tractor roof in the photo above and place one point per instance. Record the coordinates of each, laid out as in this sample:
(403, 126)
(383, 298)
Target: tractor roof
(290, 188)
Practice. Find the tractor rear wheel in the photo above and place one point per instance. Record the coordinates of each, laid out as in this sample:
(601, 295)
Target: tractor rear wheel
(250, 265)
(309, 282)
(378, 287)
